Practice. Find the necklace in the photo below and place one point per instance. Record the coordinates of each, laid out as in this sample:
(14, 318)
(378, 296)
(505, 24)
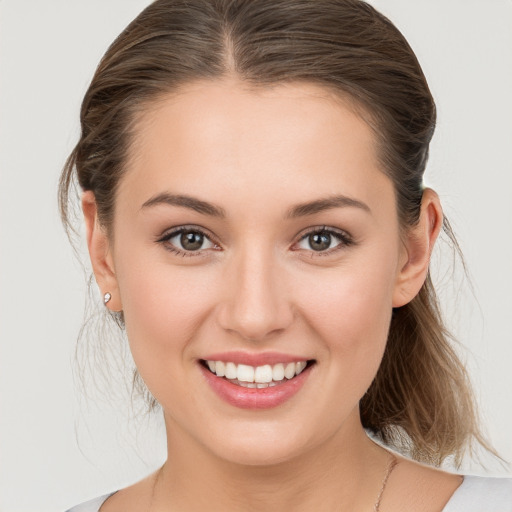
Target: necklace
(376, 508)
(392, 464)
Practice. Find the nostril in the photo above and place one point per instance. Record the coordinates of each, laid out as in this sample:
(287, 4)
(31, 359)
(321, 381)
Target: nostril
(255, 311)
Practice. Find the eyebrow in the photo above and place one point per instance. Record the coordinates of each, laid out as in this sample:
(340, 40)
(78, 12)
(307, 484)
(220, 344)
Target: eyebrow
(300, 210)
(320, 205)
(185, 201)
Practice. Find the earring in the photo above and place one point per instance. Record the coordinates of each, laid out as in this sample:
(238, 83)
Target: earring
(107, 297)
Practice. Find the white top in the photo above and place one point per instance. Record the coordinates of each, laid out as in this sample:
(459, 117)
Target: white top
(482, 494)
(475, 494)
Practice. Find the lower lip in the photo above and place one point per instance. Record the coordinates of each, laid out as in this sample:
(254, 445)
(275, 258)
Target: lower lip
(254, 398)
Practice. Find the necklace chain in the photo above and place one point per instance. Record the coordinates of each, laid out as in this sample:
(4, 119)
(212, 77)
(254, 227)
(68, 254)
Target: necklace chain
(392, 464)
(376, 508)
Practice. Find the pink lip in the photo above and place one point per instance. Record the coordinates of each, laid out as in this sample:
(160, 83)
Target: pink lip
(239, 357)
(254, 398)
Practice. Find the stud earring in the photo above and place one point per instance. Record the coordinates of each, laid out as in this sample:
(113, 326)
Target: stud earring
(107, 297)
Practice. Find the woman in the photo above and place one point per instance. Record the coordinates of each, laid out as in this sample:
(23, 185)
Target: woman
(257, 222)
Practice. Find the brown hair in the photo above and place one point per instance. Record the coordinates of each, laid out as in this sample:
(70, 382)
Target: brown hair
(420, 400)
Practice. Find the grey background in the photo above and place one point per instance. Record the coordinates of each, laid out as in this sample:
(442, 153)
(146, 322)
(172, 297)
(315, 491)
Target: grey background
(57, 450)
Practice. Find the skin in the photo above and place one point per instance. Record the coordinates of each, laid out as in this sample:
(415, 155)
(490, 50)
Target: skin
(257, 285)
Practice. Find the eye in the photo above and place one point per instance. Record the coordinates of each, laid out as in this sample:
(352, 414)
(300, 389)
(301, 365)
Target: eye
(186, 241)
(324, 240)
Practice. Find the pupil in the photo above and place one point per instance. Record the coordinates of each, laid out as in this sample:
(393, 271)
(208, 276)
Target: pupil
(191, 241)
(320, 241)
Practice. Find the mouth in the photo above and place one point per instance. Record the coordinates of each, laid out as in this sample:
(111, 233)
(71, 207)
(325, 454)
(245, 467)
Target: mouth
(256, 377)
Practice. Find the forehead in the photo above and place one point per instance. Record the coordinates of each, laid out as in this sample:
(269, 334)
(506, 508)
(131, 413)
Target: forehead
(224, 137)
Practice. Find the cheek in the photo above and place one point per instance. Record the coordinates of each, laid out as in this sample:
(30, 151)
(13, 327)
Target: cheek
(163, 306)
(350, 302)
(351, 311)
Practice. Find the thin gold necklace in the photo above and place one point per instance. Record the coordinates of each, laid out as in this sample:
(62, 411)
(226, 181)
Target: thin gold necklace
(376, 508)
(392, 464)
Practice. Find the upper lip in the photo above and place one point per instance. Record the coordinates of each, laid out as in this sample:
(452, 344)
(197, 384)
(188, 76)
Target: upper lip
(255, 359)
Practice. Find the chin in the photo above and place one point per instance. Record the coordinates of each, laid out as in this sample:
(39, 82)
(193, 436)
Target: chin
(265, 454)
(262, 445)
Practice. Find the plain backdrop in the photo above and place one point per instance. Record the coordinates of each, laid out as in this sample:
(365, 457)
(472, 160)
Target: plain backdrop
(57, 450)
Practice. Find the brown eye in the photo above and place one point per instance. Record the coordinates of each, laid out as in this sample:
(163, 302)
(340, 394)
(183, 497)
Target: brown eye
(186, 241)
(191, 240)
(320, 241)
(324, 241)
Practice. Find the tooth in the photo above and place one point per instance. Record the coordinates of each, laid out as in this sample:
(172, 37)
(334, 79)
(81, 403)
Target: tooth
(300, 366)
(260, 377)
(245, 373)
(289, 371)
(263, 374)
(230, 371)
(220, 368)
(278, 372)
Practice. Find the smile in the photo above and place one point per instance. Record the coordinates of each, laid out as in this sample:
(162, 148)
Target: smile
(257, 381)
(259, 377)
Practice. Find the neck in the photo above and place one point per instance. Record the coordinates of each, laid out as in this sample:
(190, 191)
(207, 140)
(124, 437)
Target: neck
(343, 473)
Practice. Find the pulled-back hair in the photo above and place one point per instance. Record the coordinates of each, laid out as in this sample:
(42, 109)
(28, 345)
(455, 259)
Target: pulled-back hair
(421, 399)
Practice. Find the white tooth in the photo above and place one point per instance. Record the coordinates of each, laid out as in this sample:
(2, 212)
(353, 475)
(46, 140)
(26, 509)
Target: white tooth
(251, 384)
(243, 384)
(272, 384)
(211, 365)
(278, 372)
(263, 374)
(220, 368)
(230, 371)
(245, 373)
(262, 385)
(289, 371)
(299, 367)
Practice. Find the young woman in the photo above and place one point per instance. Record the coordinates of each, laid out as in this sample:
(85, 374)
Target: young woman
(257, 223)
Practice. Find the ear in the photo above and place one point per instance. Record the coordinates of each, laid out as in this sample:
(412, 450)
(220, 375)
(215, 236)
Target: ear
(100, 252)
(418, 245)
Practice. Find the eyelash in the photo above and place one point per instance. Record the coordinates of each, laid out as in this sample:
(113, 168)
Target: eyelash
(344, 238)
(164, 240)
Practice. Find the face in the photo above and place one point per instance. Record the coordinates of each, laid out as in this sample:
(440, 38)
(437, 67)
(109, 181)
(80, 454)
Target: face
(254, 230)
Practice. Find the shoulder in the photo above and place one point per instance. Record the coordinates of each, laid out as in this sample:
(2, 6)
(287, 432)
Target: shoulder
(482, 494)
(134, 497)
(414, 486)
(91, 505)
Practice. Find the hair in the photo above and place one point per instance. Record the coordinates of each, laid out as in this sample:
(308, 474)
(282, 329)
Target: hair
(420, 400)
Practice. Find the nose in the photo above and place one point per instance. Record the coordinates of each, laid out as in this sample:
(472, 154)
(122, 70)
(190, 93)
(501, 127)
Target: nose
(256, 304)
